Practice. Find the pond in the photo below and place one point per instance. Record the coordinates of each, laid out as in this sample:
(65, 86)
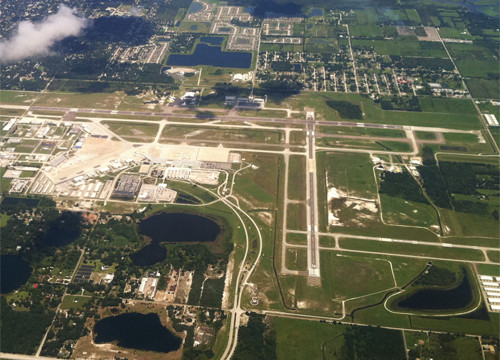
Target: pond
(195, 7)
(137, 331)
(172, 228)
(205, 54)
(15, 201)
(212, 40)
(315, 12)
(438, 299)
(63, 230)
(14, 272)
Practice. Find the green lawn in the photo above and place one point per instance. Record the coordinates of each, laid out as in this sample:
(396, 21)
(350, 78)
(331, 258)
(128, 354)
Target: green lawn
(74, 302)
(4, 218)
(372, 112)
(302, 339)
(411, 249)
(351, 173)
(297, 177)
(365, 275)
(296, 259)
(296, 239)
(447, 105)
(403, 212)
(403, 46)
(139, 132)
(296, 217)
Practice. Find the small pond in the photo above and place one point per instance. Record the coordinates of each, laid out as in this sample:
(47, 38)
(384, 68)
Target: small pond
(137, 331)
(172, 228)
(212, 40)
(63, 230)
(205, 54)
(15, 201)
(14, 272)
(439, 299)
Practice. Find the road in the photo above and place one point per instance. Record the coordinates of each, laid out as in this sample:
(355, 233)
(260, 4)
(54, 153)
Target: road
(221, 117)
(313, 264)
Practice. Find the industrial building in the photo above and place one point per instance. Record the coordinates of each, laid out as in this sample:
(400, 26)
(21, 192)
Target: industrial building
(127, 187)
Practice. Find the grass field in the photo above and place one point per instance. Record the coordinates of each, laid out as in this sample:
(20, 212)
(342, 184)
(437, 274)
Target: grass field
(372, 112)
(365, 275)
(296, 217)
(257, 187)
(3, 219)
(74, 302)
(410, 249)
(351, 173)
(299, 339)
(402, 212)
(403, 46)
(137, 132)
(447, 105)
(296, 239)
(227, 134)
(297, 178)
(361, 131)
(425, 135)
(296, 259)
(483, 88)
(17, 97)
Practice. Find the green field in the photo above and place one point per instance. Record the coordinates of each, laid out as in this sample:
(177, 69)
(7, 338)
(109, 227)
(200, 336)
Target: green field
(257, 187)
(372, 112)
(351, 173)
(297, 178)
(137, 132)
(403, 46)
(296, 259)
(365, 275)
(75, 302)
(296, 217)
(398, 211)
(296, 239)
(447, 105)
(411, 249)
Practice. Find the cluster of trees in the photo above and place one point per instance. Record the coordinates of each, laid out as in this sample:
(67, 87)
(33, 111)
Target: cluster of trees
(435, 186)
(441, 182)
(405, 103)
(346, 109)
(436, 276)
(257, 340)
(65, 328)
(22, 331)
(431, 63)
(213, 290)
(200, 352)
(129, 30)
(401, 185)
(362, 342)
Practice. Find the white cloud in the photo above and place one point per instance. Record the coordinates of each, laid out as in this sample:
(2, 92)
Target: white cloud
(32, 39)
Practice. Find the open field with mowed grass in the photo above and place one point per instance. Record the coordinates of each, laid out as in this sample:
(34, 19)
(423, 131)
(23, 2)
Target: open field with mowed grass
(411, 249)
(373, 113)
(297, 177)
(140, 132)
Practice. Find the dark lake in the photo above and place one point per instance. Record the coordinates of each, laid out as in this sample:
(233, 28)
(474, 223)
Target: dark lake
(315, 12)
(14, 273)
(436, 299)
(15, 201)
(63, 230)
(205, 54)
(195, 7)
(172, 228)
(212, 40)
(137, 331)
